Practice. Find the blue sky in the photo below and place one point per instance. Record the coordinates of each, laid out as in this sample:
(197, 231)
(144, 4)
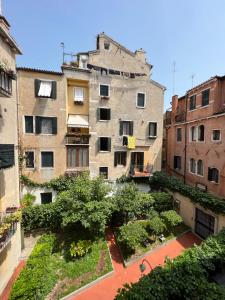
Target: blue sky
(192, 33)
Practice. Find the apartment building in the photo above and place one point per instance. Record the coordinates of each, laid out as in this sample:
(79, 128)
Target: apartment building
(42, 127)
(114, 112)
(10, 236)
(195, 136)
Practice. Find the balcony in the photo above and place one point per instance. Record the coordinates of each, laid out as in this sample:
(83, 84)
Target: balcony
(77, 139)
(180, 117)
(138, 171)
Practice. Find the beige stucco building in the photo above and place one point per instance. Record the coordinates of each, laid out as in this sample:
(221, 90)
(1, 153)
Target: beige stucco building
(10, 236)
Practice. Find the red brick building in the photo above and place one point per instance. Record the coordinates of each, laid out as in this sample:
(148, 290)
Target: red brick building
(195, 136)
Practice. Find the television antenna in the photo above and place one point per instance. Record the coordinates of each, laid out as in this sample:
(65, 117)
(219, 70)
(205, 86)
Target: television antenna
(174, 71)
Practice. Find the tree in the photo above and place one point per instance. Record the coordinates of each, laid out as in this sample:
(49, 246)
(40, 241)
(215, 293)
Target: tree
(171, 218)
(156, 225)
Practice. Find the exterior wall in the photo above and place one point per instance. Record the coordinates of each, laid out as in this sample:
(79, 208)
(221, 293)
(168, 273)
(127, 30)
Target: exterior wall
(79, 109)
(9, 182)
(37, 193)
(32, 106)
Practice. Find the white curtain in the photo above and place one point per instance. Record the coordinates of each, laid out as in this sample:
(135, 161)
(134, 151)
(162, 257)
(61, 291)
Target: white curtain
(45, 89)
(78, 94)
(46, 125)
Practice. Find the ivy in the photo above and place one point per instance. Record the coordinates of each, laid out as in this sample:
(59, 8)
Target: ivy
(161, 180)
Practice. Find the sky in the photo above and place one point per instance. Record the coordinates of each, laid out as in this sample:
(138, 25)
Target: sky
(185, 36)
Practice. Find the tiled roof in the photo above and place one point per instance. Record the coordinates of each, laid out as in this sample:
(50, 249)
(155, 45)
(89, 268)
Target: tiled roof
(38, 70)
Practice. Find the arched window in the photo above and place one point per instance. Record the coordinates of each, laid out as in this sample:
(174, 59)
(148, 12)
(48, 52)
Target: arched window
(201, 133)
(213, 175)
(200, 167)
(192, 166)
(193, 134)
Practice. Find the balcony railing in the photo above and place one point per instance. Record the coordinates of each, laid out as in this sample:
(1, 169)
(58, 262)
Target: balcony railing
(77, 139)
(180, 117)
(141, 170)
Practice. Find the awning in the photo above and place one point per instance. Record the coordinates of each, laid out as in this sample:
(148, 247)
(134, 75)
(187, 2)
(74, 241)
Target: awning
(78, 121)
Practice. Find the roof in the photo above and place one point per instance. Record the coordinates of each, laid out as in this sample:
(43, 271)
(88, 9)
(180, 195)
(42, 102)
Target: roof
(206, 82)
(78, 121)
(158, 84)
(38, 70)
(10, 40)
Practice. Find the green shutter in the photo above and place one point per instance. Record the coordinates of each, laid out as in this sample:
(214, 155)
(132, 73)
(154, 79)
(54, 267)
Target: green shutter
(115, 158)
(37, 84)
(54, 90)
(109, 144)
(121, 128)
(131, 128)
(54, 125)
(109, 114)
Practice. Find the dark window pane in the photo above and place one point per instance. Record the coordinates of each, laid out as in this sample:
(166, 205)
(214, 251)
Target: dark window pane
(7, 157)
(46, 198)
(47, 159)
(216, 135)
(192, 102)
(120, 158)
(179, 134)
(152, 129)
(141, 100)
(105, 144)
(103, 171)
(29, 156)
(205, 97)
(29, 125)
(104, 114)
(177, 162)
(104, 90)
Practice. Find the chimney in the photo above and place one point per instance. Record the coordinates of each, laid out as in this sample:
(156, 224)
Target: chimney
(140, 55)
(174, 104)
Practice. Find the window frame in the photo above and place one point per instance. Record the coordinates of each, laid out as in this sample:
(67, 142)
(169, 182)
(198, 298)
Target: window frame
(53, 95)
(177, 168)
(32, 151)
(99, 114)
(116, 163)
(99, 141)
(190, 171)
(179, 128)
(198, 133)
(205, 105)
(137, 106)
(74, 94)
(24, 125)
(212, 181)
(107, 177)
(79, 147)
(197, 173)
(50, 168)
(46, 193)
(152, 136)
(130, 126)
(105, 84)
(212, 139)
(108, 43)
(195, 134)
(47, 117)
(190, 98)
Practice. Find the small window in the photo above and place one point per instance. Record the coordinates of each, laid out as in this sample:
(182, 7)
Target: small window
(177, 162)
(179, 134)
(201, 133)
(200, 167)
(103, 172)
(152, 129)
(193, 134)
(104, 144)
(213, 175)
(46, 198)
(47, 159)
(205, 97)
(192, 166)
(46, 125)
(29, 124)
(79, 94)
(126, 128)
(45, 88)
(106, 45)
(192, 103)
(216, 135)
(120, 158)
(104, 90)
(29, 159)
(104, 114)
(141, 100)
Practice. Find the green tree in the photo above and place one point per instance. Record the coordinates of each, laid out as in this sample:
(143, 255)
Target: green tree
(156, 225)
(171, 218)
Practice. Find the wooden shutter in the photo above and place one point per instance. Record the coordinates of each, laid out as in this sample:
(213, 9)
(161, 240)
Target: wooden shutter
(54, 90)
(108, 114)
(121, 128)
(109, 144)
(115, 158)
(98, 113)
(7, 157)
(54, 125)
(131, 128)
(156, 129)
(37, 125)
(37, 84)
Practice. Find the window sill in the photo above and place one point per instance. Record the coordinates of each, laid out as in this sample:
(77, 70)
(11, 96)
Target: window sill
(78, 102)
(140, 107)
(104, 97)
(214, 182)
(47, 168)
(152, 137)
(104, 151)
(204, 106)
(103, 120)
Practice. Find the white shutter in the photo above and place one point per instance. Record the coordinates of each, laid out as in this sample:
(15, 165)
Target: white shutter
(78, 94)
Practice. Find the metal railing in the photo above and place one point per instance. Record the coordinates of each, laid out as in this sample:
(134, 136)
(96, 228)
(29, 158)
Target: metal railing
(141, 170)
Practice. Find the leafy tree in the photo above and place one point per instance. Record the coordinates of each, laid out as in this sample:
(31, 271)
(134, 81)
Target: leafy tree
(171, 218)
(156, 225)
(27, 200)
(162, 201)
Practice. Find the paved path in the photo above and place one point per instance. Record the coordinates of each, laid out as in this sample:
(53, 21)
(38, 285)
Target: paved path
(107, 288)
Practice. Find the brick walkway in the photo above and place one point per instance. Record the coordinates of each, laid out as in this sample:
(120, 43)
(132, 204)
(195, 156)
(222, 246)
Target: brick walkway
(107, 288)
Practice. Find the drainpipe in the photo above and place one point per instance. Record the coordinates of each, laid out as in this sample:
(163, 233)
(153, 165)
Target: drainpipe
(185, 137)
(18, 132)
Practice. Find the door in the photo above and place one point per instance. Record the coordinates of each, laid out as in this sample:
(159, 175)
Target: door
(204, 223)
(137, 161)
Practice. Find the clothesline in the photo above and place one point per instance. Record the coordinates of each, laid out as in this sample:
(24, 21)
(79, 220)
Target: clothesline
(114, 72)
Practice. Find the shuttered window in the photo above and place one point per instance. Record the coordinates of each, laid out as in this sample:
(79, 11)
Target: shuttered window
(29, 124)
(47, 159)
(120, 158)
(7, 156)
(45, 89)
(126, 128)
(46, 125)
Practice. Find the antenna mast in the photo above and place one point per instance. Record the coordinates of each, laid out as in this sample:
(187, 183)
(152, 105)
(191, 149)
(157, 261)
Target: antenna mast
(1, 14)
(192, 79)
(174, 71)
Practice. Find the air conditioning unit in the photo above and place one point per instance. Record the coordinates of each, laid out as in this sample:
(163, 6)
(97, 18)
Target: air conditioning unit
(125, 140)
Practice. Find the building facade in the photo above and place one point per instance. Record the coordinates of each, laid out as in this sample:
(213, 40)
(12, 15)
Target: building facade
(10, 236)
(195, 136)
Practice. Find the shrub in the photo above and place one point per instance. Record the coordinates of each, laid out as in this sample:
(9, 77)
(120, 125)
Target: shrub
(27, 200)
(132, 234)
(156, 225)
(80, 248)
(37, 278)
(171, 218)
(162, 201)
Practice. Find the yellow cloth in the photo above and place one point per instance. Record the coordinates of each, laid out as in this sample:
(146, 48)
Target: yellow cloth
(131, 142)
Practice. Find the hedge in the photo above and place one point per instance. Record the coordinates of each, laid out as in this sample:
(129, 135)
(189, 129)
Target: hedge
(162, 180)
(188, 276)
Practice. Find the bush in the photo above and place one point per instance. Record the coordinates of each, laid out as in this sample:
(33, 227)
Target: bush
(171, 218)
(156, 225)
(37, 278)
(27, 200)
(80, 248)
(162, 201)
(132, 235)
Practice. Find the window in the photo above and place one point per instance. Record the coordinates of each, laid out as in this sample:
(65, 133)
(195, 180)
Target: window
(29, 159)
(205, 97)
(213, 175)
(47, 159)
(120, 158)
(46, 198)
(104, 144)
(179, 134)
(104, 90)
(79, 94)
(193, 131)
(216, 135)
(5, 83)
(103, 171)
(104, 114)
(45, 88)
(201, 133)
(46, 125)
(29, 124)
(77, 156)
(126, 128)
(200, 167)
(192, 102)
(192, 166)
(177, 162)
(7, 157)
(152, 129)
(140, 100)
(106, 45)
